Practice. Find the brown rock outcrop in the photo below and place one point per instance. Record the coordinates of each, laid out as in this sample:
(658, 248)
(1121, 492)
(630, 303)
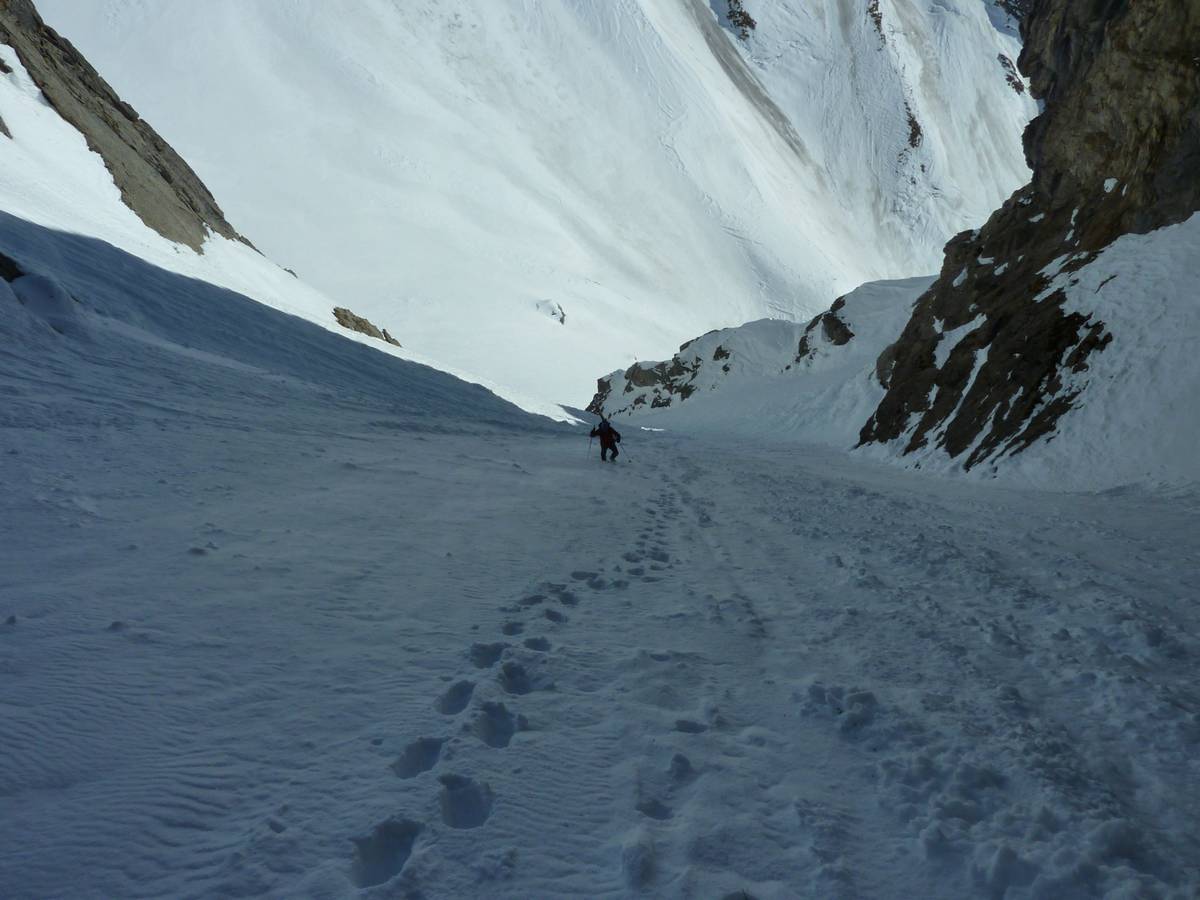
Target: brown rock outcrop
(349, 320)
(153, 179)
(834, 330)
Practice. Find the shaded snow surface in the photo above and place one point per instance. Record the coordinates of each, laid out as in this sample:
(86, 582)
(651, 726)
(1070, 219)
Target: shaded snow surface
(291, 617)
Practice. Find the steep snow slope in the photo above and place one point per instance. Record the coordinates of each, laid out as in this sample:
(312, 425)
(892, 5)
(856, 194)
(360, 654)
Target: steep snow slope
(284, 616)
(914, 117)
(457, 171)
(49, 176)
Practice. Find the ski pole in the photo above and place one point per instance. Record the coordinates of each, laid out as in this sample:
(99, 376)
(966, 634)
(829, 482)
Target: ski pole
(589, 456)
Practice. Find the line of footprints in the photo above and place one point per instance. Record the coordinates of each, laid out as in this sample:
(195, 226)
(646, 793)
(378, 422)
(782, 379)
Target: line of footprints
(520, 670)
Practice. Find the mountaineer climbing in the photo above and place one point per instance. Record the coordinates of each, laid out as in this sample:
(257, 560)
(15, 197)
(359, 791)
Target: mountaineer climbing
(609, 438)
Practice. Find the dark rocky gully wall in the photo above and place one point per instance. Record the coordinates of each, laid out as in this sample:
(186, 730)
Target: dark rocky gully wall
(1120, 82)
(153, 179)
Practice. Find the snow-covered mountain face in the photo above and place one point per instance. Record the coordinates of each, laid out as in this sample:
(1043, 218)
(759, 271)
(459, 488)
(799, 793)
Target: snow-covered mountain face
(77, 158)
(1056, 340)
(531, 193)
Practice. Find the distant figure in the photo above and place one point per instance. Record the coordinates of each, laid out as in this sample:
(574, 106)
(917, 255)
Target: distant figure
(609, 438)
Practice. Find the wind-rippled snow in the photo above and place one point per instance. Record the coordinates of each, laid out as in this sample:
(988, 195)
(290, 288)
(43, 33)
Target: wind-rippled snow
(291, 617)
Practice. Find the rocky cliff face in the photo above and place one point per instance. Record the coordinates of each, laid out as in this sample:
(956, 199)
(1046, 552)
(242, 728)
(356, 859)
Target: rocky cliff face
(1116, 151)
(153, 179)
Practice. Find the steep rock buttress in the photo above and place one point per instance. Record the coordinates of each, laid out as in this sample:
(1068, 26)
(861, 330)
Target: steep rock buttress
(1116, 151)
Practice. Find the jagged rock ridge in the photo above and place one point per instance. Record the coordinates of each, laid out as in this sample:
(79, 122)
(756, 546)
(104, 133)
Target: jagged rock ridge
(765, 349)
(153, 179)
(655, 383)
(813, 382)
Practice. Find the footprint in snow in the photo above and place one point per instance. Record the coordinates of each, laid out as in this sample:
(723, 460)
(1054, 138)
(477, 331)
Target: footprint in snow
(456, 697)
(466, 803)
(514, 679)
(381, 855)
(654, 809)
(681, 769)
(495, 725)
(484, 656)
(419, 756)
(567, 598)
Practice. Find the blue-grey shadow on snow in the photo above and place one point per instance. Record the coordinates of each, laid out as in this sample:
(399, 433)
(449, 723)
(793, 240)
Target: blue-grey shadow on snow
(189, 313)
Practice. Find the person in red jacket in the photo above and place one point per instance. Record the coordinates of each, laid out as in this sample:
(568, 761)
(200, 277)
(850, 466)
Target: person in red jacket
(609, 438)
